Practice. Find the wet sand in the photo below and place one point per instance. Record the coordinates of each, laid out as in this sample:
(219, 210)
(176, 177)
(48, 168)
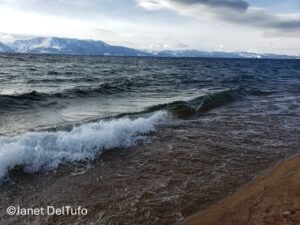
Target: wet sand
(272, 199)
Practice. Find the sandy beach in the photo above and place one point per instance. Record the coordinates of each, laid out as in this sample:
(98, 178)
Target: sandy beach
(272, 199)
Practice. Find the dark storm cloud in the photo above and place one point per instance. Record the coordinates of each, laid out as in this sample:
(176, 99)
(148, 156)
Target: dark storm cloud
(238, 5)
(260, 18)
(295, 24)
(242, 13)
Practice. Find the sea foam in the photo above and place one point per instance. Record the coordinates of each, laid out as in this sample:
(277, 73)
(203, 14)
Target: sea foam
(42, 151)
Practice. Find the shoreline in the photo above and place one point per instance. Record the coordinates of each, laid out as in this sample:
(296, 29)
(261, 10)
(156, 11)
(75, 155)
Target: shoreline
(183, 168)
(273, 198)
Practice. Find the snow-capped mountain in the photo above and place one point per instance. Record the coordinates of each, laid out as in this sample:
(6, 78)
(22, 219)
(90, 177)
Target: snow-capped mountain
(68, 46)
(218, 54)
(5, 48)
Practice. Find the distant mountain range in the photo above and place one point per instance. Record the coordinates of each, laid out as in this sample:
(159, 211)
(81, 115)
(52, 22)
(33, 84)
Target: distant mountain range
(5, 48)
(67, 46)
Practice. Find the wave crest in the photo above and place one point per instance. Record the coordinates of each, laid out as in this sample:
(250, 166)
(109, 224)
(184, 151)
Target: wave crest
(40, 151)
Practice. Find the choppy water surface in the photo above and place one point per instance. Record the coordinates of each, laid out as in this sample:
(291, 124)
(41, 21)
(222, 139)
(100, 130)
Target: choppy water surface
(177, 134)
(40, 91)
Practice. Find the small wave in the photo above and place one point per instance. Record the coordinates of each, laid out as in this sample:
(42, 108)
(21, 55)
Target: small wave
(201, 103)
(32, 95)
(35, 98)
(44, 151)
(83, 91)
(22, 101)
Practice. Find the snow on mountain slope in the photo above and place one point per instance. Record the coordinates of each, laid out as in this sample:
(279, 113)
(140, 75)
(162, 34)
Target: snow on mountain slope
(5, 48)
(217, 54)
(71, 47)
(68, 46)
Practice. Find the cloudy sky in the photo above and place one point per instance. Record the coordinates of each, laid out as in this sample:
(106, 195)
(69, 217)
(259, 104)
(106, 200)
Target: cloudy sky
(229, 25)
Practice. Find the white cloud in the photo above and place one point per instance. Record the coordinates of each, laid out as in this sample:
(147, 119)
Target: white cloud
(237, 12)
(161, 24)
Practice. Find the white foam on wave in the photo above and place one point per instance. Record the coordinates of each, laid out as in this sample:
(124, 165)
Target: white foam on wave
(39, 151)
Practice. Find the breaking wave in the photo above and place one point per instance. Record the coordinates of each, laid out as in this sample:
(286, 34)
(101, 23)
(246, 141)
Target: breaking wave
(44, 151)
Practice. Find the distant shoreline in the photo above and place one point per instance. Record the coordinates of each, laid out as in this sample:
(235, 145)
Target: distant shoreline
(70, 46)
(271, 199)
(144, 56)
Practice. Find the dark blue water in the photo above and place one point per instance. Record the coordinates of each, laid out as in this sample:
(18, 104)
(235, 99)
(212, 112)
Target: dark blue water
(43, 91)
